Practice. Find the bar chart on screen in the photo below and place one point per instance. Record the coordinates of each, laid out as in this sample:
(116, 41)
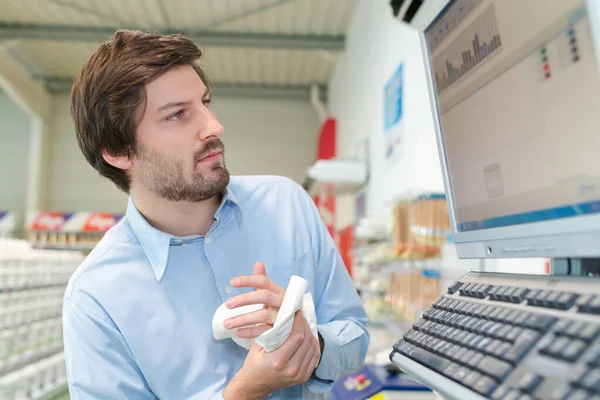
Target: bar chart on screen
(473, 46)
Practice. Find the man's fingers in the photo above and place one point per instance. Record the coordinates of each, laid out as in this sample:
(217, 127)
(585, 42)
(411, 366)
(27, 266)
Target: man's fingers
(266, 297)
(282, 355)
(252, 332)
(304, 351)
(310, 360)
(257, 282)
(262, 316)
(259, 269)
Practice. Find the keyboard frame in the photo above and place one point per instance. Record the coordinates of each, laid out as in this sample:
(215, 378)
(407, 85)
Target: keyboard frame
(452, 390)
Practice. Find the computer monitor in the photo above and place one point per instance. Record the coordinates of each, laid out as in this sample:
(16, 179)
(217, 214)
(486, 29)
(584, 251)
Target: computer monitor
(515, 89)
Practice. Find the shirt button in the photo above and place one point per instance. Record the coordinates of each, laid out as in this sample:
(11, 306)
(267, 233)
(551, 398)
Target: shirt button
(227, 289)
(207, 240)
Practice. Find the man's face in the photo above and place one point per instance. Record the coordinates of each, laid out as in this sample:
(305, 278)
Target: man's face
(180, 155)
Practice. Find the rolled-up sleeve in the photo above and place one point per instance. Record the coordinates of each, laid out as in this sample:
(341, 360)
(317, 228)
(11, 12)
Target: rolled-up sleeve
(341, 317)
(98, 361)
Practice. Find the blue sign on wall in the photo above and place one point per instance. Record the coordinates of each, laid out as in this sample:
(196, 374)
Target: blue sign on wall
(394, 126)
(393, 99)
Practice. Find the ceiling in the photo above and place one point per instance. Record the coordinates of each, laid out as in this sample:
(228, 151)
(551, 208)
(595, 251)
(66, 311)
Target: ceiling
(252, 47)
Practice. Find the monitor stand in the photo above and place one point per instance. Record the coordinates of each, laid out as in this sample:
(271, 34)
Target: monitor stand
(575, 266)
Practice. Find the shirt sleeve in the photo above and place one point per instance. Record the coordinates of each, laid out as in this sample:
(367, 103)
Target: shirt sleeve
(341, 317)
(98, 361)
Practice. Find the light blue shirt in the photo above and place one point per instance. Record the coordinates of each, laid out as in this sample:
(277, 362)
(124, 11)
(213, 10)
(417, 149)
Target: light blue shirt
(137, 313)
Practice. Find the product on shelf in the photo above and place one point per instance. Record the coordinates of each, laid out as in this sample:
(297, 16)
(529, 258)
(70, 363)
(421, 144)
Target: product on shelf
(7, 223)
(78, 231)
(420, 226)
(32, 285)
(35, 381)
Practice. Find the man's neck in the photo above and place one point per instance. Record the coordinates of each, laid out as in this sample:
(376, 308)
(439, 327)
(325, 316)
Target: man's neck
(176, 218)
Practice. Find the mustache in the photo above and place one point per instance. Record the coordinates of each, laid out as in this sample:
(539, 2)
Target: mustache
(209, 147)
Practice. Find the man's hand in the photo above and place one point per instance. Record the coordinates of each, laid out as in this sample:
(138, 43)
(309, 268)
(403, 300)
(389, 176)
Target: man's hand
(291, 364)
(267, 293)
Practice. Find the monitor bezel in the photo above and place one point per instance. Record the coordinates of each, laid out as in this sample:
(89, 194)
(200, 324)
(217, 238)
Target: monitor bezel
(576, 237)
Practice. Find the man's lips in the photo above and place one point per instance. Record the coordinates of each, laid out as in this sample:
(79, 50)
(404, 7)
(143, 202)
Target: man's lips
(212, 156)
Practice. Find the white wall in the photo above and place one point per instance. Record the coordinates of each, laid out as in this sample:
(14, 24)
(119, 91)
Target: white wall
(375, 46)
(14, 145)
(261, 137)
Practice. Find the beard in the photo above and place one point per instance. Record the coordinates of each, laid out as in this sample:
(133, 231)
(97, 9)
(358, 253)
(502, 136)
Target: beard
(165, 177)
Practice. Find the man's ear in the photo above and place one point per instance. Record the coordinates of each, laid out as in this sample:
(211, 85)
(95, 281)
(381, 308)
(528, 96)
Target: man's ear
(121, 162)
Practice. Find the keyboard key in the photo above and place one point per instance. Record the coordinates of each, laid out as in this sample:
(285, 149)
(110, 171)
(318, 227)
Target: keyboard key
(555, 348)
(562, 393)
(485, 313)
(503, 314)
(493, 291)
(476, 290)
(583, 301)
(467, 356)
(460, 354)
(526, 396)
(503, 332)
(461, 373)
(590, 380)
(492, 348)
(513, 394)
(471, 379)
(574, 328)
(566, 301)
(483, 292)
(513, 316)
(507, 296)
(500, 392)
(454, 287)
(552, 298)
(579, 394)
(589, 332)
(485, 386)
(513, 334)
(492, 329)
(500, 293)
(483, 344)
(494, 314)
(518, 296)
(451, 369)
(500, 351)
(467, 290)
(530, 297)
(495, 368)
(520, 320)
(475, 360)
(419, 324)
(521, 347)
(529, 383)
(594, 306)
(573, 350)
(540, 322)
(430, 360)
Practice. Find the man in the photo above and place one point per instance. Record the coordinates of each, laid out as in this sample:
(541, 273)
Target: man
(137, 313)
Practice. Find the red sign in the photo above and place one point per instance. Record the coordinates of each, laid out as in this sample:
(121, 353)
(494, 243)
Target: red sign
(49, 221)
(100, 222)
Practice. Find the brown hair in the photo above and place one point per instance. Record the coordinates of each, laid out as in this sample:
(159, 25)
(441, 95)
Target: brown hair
(109, 93)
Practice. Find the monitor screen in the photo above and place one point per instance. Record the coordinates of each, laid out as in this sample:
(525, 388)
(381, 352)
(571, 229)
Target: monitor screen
(517, 85)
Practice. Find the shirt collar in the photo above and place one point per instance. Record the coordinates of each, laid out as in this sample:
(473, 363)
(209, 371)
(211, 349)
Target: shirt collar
(156, 244)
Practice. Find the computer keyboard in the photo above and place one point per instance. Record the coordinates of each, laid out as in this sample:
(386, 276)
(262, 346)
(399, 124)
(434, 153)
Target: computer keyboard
(508, 337)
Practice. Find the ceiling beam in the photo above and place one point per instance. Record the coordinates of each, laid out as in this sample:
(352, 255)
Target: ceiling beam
(202, 38)
(289, 92)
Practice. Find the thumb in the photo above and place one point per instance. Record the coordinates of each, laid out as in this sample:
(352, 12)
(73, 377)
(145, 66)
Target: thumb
(259, 269)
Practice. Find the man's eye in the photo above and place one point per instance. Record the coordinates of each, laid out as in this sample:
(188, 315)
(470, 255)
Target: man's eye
(177, 116)
(206, 102)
